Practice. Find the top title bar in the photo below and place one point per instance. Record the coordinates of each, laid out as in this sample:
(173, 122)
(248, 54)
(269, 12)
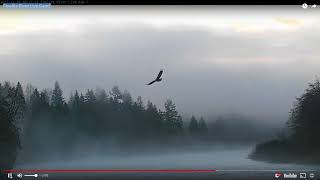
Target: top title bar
(23, 3)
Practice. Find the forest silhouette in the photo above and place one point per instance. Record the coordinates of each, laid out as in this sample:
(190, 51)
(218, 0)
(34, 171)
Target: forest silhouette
(40, 123)
(300, 142)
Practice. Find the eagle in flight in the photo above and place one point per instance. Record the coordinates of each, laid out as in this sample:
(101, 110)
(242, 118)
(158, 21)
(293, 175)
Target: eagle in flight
(158, 79)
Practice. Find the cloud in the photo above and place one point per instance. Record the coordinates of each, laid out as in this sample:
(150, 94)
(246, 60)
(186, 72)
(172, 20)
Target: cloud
(289, 21)
(206, 71)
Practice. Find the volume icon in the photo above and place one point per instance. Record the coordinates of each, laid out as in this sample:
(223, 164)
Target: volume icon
(19, 175)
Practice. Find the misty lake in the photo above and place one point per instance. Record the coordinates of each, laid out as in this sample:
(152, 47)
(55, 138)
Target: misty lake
(219, 158)
(229, 161)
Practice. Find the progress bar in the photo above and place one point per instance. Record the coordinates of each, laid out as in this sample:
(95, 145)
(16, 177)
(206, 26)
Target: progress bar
(265, 170)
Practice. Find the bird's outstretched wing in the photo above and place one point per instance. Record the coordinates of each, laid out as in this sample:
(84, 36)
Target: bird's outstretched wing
(151, 82)
(159, 75)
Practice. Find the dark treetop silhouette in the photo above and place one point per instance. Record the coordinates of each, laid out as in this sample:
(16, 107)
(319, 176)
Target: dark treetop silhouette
(158, 79)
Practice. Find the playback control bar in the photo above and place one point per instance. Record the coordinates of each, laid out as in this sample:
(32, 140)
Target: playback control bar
(159, 174)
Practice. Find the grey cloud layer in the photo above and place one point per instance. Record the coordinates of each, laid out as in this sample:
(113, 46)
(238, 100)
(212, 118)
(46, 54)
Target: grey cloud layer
(196, 76)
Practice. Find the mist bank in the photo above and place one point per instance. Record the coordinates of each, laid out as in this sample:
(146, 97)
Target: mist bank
(221, 158)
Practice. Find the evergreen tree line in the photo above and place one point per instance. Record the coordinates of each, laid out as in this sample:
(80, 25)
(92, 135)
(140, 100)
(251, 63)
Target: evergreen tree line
(198, 128)
(53, 124)
(50, 124)
(299, 142)
(12, 107)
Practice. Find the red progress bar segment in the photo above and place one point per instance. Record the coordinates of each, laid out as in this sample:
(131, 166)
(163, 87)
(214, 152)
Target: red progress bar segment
(110, 171)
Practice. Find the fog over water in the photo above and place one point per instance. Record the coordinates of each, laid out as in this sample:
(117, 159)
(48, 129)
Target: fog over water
(218, 158)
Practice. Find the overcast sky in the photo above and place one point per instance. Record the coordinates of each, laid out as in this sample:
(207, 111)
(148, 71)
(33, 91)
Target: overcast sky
(247, 60)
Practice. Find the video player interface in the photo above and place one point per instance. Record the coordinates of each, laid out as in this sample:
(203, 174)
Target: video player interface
(159, 92)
